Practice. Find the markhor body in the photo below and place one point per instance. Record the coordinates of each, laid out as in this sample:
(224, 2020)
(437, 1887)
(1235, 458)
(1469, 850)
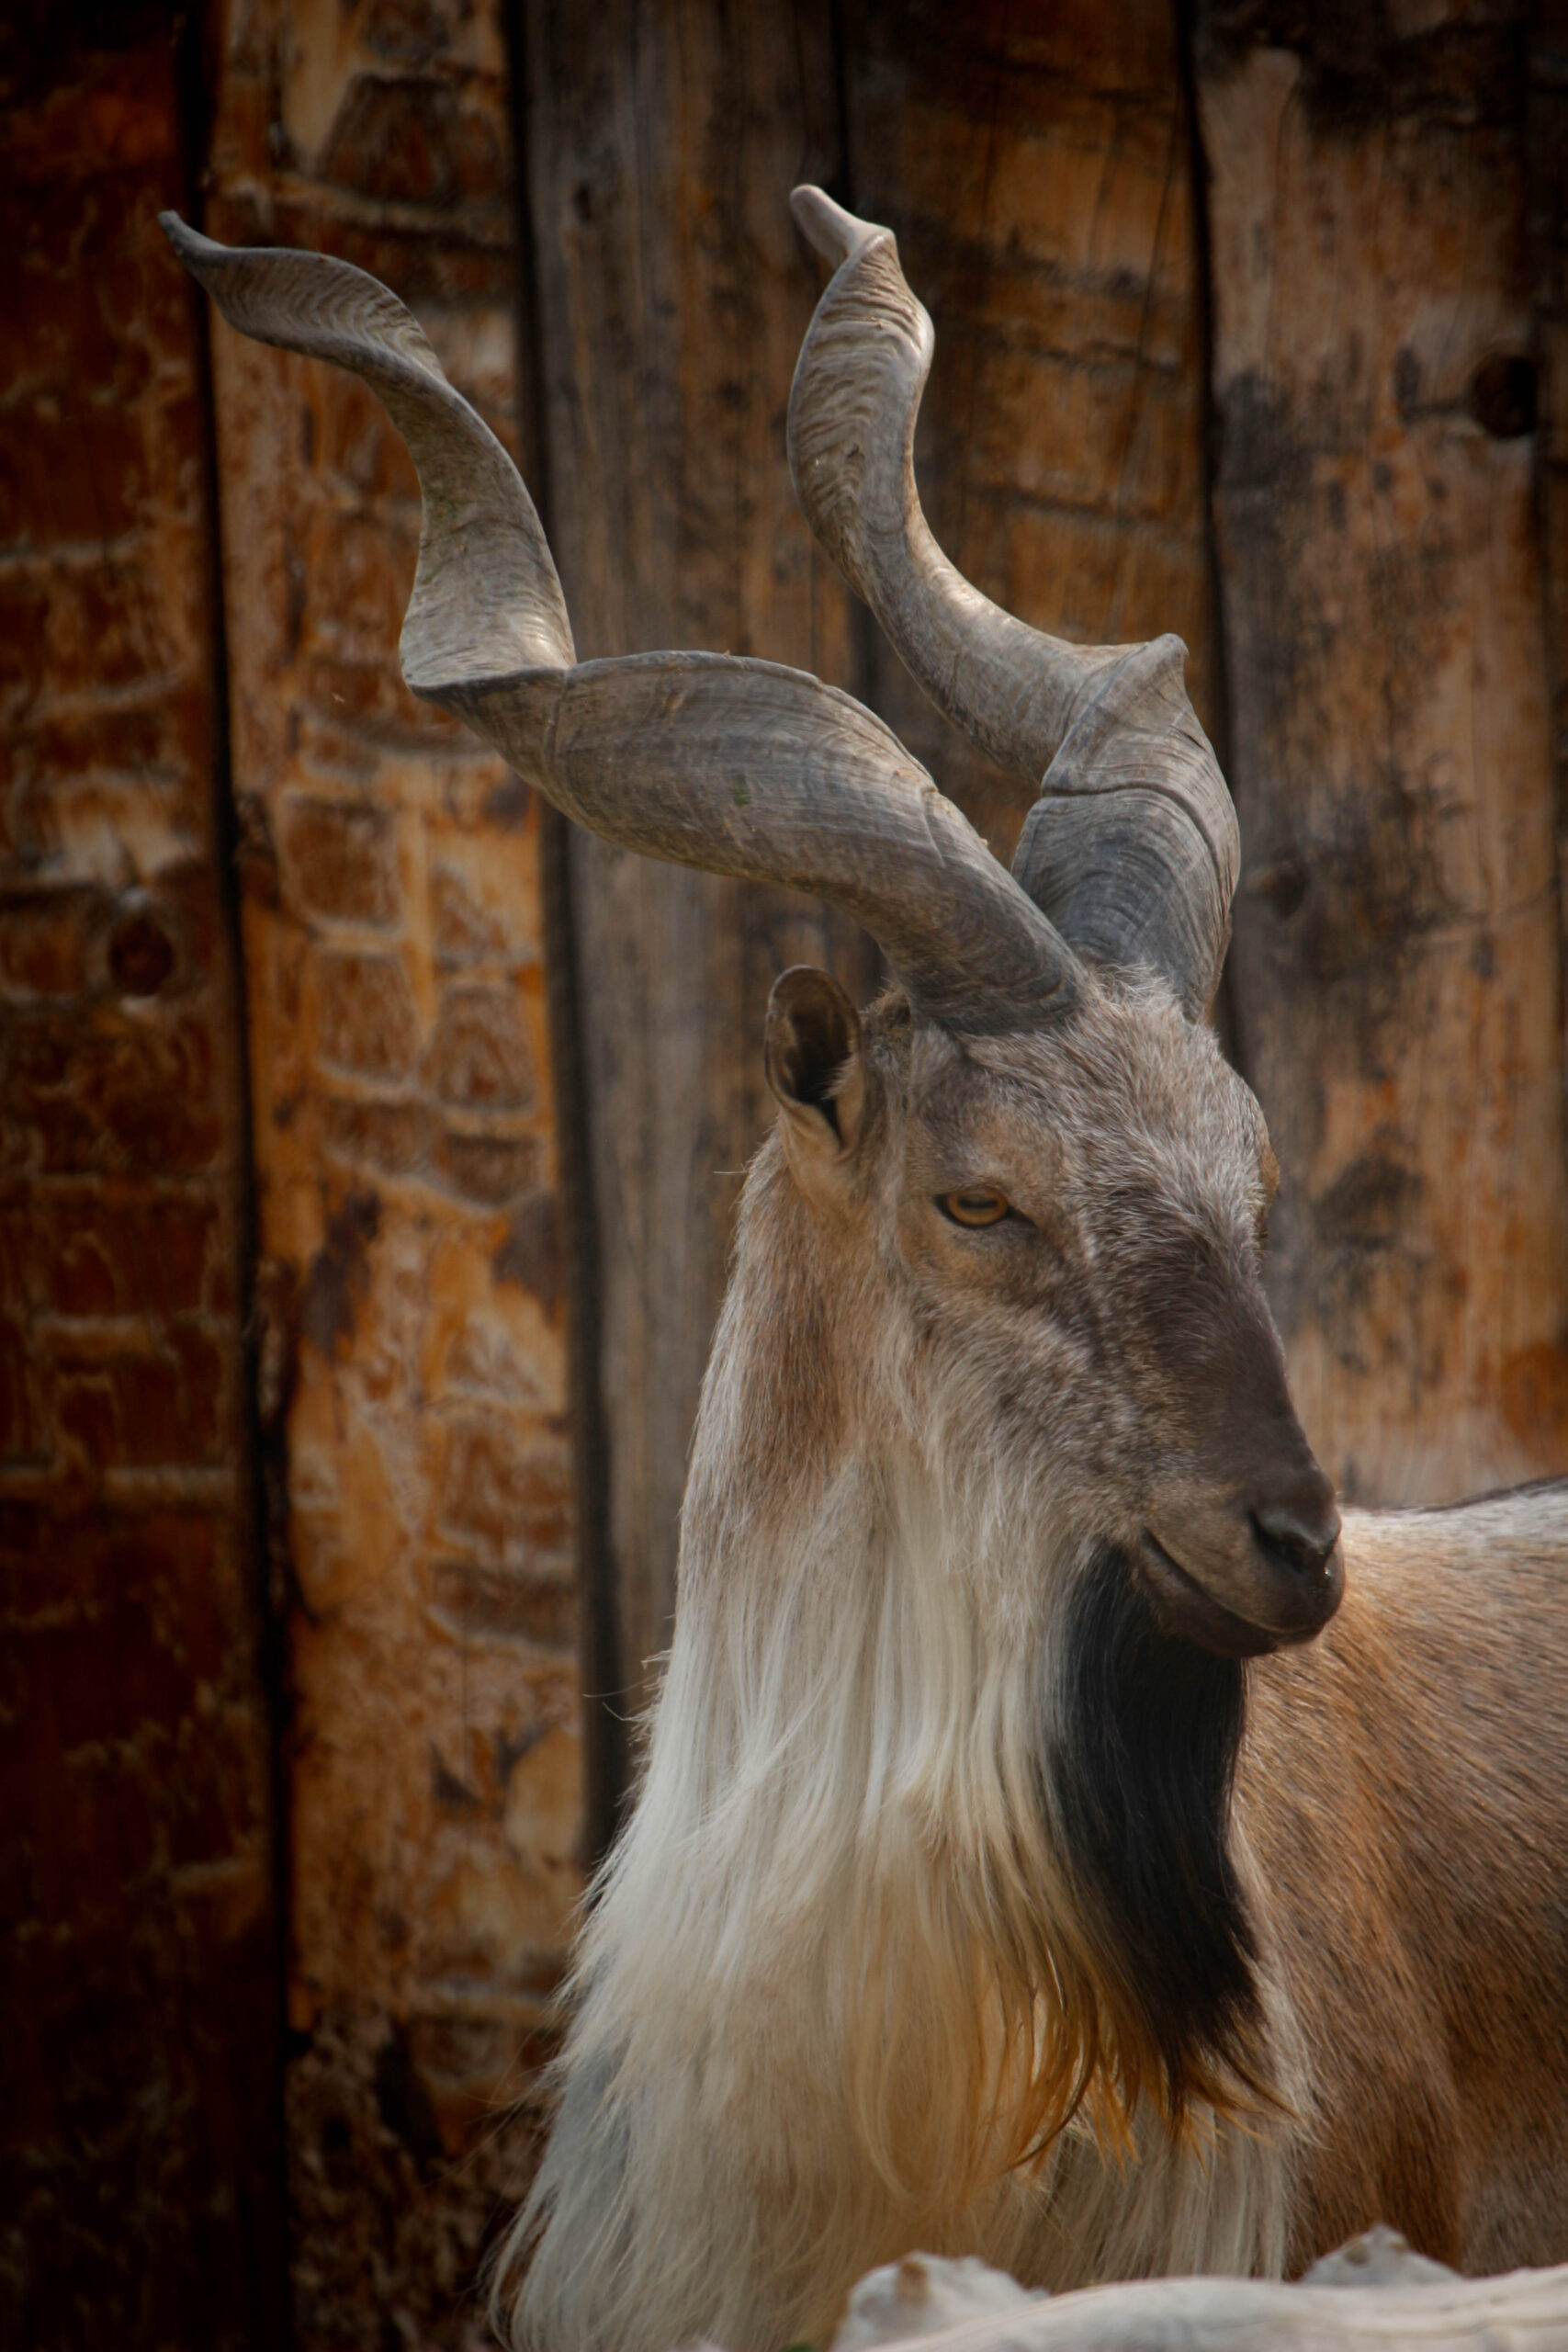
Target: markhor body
(1404, 1783)
(1059, 1841)
(937, 1828)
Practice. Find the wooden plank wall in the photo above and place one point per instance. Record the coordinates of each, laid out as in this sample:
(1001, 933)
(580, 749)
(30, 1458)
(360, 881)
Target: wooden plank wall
(1303, 259)
(1397, 946)
(1037, 166)
(141, 2159)
(1546, 149)
(413, 1398)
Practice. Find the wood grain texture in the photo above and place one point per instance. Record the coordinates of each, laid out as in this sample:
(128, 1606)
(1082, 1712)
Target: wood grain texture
(1396, 963)
(1538, 380)
(662, 146)
(413, 1391)
(1035, 166)
(141, 2161)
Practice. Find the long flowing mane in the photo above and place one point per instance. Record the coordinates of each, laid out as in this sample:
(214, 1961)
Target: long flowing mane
(872, 1957)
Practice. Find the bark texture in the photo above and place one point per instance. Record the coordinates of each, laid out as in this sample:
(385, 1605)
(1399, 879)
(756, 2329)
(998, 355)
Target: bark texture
(413, 1390)
(141, 2161)
(1396, 952)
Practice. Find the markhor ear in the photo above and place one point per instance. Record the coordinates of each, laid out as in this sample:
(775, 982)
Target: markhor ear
(813, 1057)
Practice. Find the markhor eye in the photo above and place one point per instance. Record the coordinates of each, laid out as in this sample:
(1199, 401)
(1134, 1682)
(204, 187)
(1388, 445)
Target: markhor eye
(979, 1205)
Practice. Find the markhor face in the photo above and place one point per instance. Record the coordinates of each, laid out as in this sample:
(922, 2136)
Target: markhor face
(1080, 1216)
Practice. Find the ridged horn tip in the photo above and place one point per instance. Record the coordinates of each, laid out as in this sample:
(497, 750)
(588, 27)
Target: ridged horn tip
(185, 241)
(827, 229)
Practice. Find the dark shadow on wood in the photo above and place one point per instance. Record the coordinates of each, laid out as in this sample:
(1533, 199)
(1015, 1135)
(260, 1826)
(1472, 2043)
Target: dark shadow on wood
(606, 1747)
(263, 1470)
(1223, 1014)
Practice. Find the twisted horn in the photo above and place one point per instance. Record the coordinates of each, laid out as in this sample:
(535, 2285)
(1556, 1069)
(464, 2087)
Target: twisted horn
(1131, 848)
(738, 767)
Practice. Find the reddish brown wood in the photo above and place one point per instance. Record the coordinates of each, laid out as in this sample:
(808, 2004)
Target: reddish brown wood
(1542, 383)
(141, 2171)
(415, 1400)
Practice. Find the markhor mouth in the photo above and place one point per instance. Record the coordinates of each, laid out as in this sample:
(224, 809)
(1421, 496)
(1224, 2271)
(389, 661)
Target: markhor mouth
(1190, 1613)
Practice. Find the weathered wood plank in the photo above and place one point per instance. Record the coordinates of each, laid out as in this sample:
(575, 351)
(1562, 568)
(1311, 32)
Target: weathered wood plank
(1543, 380)
(661, 145)
(141, 2164)
(402, 1116)
(1396, 941)
(1037, 168)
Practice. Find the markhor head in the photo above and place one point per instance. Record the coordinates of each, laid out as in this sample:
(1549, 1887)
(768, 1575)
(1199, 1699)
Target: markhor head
(1027, 1265)
(1049, 1152)
(1064, 1229)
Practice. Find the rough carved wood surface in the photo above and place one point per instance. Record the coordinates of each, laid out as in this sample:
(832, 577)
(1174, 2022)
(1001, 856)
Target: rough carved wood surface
(1397, 959)
(413, 1395)
(141, 2165)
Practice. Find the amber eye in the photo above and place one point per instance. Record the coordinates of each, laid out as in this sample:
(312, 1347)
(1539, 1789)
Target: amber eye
(978, 1205)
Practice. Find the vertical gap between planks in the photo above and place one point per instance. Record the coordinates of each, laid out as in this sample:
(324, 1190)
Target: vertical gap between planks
(605, 1745)
(261, 1482)
(864, 640)
(1186, 36)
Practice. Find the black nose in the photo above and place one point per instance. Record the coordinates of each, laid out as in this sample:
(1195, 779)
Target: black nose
(1299, 1539)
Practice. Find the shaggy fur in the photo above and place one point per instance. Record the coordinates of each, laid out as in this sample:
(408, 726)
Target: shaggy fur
(933, 1926)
